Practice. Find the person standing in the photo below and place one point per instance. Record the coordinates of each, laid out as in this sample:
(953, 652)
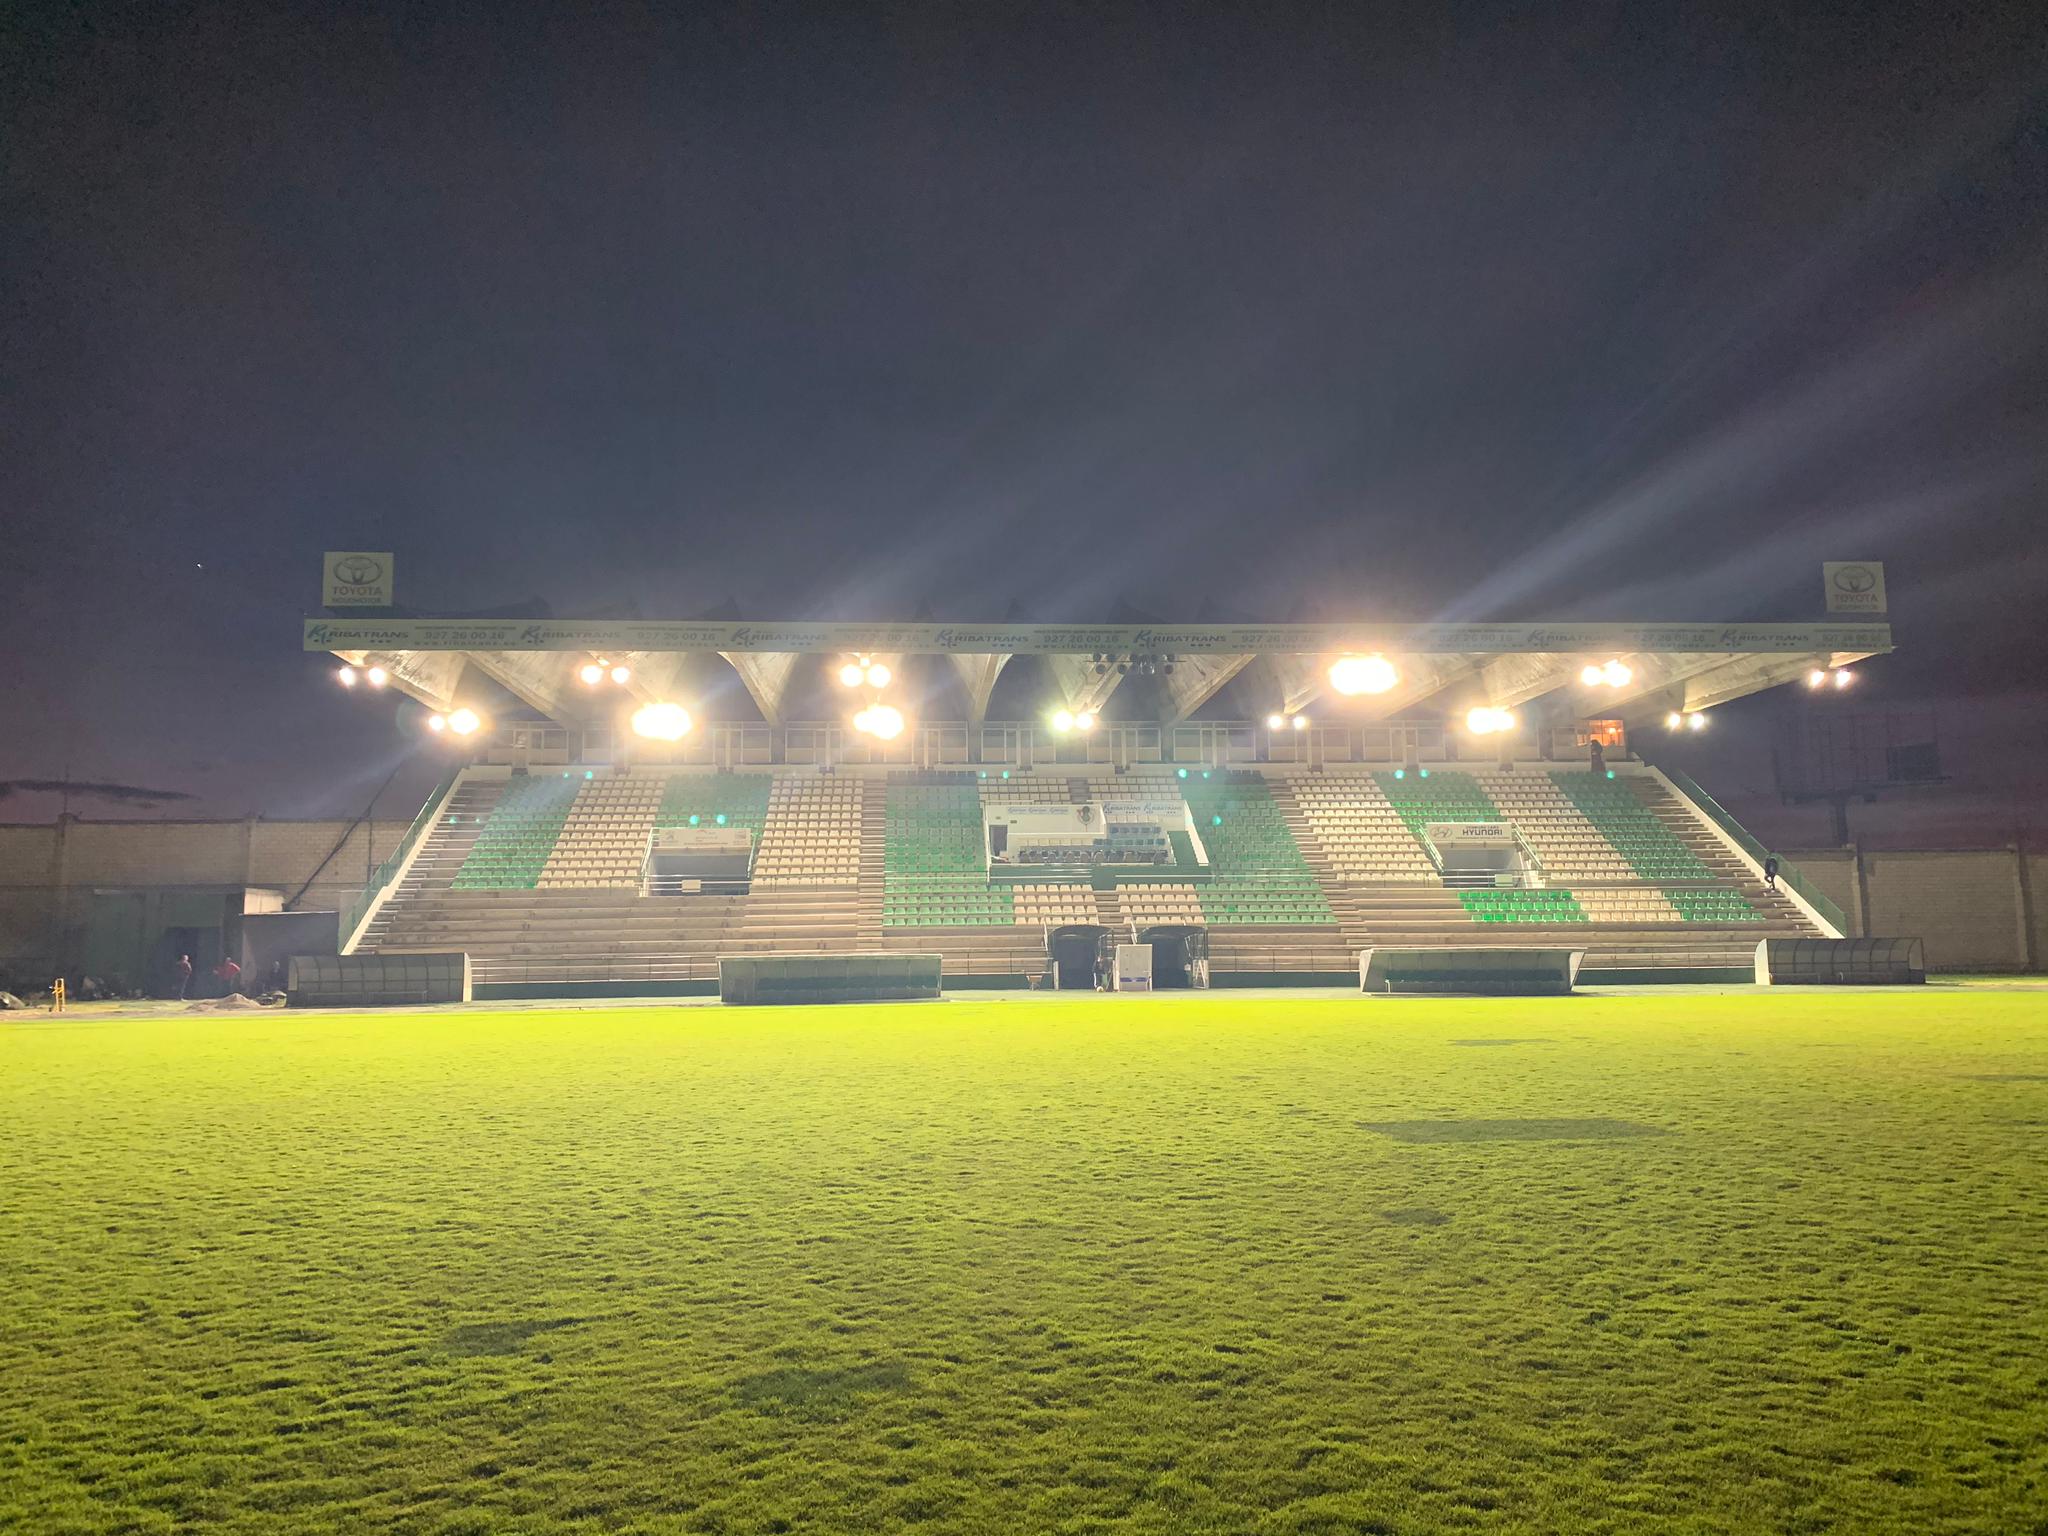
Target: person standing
(1770, 871)
(183, 971)
(230, 975)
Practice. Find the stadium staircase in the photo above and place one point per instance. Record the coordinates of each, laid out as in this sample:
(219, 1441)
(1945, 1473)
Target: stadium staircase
(538, 878)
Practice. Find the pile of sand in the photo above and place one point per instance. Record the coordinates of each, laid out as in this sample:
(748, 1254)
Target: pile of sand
(233, 1002)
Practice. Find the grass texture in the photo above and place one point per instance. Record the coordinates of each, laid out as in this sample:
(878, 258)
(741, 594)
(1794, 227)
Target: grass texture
(1762, 1262)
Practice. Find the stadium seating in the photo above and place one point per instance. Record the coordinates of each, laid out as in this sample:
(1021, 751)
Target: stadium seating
(514, 845)
(537, 878)
(1634, 830)
(812, 832)
(1519, 906)
(934, 860)
(603, 844)
(1259, 877)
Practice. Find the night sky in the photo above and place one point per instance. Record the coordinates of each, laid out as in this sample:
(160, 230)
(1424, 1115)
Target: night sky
(1465, 312)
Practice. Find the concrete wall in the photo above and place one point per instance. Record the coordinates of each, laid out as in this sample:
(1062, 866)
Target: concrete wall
(1977, 909)
(51, 876)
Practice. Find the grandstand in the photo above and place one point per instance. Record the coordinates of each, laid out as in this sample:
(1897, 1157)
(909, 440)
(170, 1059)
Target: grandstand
(566, 853)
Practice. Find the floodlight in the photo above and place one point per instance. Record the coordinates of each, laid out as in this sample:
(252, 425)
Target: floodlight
(1617, 674)
(885, 721)
(862, 717)
(661, 722)
(465, 722)
(1673, 721)
(1696, 722)
(591, 673)
(851, 674)
(1363, 674)
(1484, 721)
(1843, 677)
(1063, 720)
(878, 675)
(377, 677)
(1276, 722)
(437, 722)
(622, 675)
(1301, 722)
(1085, 721)
(1591, 676)
(1816, 678)
(346, 677)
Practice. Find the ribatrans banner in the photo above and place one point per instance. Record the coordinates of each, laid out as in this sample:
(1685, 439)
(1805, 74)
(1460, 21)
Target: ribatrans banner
(354, 578)
(1854, 586)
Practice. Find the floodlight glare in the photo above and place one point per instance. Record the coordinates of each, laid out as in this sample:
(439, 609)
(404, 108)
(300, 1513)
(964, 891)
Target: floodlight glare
(1617, 674)
(861, 719)
(437, 722)
(465, 722)
(1673, 721)
(591, 673)
(878, 675)
(1085, 721)
(346, 677)
(1843, 677)
(1363, 674)
(377, 677)
(885, 721)
(661, 722)
(1063, 720)
(1696, 722)
(1591, 676)
(1301, 722)
(1276, 722)
(1484, 722)
(851, 674)
(622, 675)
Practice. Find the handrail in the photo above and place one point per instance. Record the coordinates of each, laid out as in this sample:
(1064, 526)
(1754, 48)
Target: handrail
(353, 919)
(1788, 872)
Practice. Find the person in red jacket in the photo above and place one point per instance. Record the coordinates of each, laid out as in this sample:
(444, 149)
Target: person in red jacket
(230, 975)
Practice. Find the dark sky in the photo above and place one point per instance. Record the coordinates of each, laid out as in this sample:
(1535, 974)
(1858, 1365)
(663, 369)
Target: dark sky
(1469, 311)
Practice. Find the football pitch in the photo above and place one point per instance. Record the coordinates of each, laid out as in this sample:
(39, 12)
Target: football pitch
(1258, 1264)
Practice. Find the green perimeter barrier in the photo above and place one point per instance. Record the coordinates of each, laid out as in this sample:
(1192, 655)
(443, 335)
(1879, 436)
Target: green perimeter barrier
(1788, 872)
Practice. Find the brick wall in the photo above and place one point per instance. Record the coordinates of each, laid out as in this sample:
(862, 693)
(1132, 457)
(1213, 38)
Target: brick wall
(1968, 906)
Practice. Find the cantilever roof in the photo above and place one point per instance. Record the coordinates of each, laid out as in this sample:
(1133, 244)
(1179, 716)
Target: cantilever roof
(1683, 666)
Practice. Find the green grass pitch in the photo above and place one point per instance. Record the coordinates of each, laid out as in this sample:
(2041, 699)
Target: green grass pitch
(1769, 1262)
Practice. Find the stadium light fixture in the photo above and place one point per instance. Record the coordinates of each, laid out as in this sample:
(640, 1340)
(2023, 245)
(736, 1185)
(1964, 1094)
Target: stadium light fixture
(1696, 722)
(1618, 674)
(1301, 722)
(1590, 675)
(1362, 674)
(851, 674)
(1673, 721)
(878, 675)
(1817, 678)
(465, 722)
(883, 720)
(346, 677)
(1485, 721)
(437, 723)
(376, 677)
(1276, 722)
(1844, 677)
(591, 674)
(622, 675)
(1085, 721)
(661, 722)
(1063, 720)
